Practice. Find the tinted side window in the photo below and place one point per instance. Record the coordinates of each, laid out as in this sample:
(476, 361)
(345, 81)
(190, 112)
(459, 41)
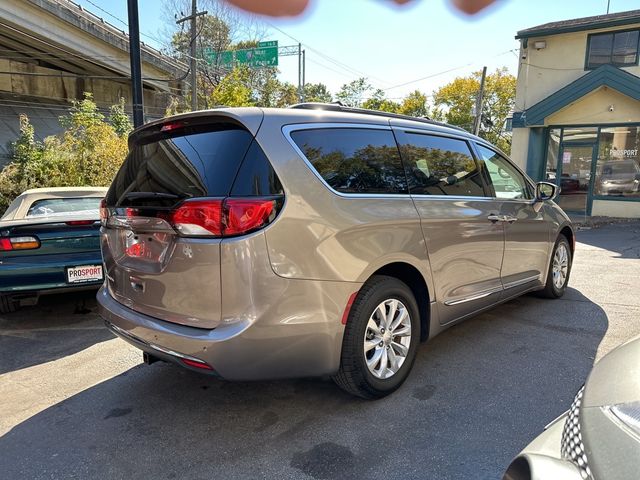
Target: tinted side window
(256, 176)
(354, 160)
(440, 166)
(506, 181)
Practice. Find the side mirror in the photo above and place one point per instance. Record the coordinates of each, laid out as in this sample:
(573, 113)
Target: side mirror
(546, 191)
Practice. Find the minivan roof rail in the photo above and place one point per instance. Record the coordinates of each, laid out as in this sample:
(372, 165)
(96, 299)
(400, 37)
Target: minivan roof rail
(340, 107)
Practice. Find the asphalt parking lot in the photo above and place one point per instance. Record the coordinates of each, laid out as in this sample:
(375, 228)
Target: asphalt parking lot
(77, 403)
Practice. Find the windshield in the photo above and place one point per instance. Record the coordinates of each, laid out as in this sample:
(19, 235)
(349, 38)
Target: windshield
(57, 207)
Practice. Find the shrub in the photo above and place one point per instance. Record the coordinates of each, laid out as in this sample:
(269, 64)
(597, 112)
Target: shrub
(88, 153)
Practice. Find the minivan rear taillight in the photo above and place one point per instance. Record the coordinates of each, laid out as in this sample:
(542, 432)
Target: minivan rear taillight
(245, 215)
(198, 217)
(210, 217)
(223, 217)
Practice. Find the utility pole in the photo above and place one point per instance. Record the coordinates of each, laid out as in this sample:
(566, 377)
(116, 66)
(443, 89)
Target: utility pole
(608, 5)
(300, 95)
(193, 67)
(304, 72)
(479, 103)
(136, 69)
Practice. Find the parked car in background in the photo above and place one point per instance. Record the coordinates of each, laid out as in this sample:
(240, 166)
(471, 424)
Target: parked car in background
(50, 243)
(620, 177)
(598, 438)
(317, 240)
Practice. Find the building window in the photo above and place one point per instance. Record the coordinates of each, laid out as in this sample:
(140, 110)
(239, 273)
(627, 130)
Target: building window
(618, 168)
(615, 48)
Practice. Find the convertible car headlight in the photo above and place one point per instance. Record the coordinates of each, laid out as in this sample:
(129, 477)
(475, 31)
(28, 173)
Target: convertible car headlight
(628, 414)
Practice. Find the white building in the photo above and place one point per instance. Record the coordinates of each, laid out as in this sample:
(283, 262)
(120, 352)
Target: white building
(577, 114)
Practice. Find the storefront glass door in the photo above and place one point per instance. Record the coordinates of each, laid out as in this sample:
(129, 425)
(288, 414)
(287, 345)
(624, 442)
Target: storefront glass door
(593, 164)
(575, 175)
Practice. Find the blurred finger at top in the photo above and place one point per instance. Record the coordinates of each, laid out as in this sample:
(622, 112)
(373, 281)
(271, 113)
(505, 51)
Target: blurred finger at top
(472, 6)
(275, 8)
(285, 8)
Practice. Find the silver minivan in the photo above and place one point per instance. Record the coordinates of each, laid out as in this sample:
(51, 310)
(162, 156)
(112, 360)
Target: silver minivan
(317, 240)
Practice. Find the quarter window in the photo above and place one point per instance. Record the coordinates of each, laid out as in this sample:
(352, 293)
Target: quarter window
(616, 48)
(440, 166)
(505, 180)
(354, 160)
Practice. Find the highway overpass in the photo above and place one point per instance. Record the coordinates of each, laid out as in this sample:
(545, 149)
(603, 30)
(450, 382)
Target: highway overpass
(51, 51)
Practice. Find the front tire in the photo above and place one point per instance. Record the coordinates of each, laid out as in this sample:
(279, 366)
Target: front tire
(559, 269)
(380, 340)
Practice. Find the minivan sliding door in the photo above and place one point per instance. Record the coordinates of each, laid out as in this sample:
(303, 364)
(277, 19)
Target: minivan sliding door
(460, 223)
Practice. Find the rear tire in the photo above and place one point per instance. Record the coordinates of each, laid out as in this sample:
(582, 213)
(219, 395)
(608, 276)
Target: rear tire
(559, 269)
(378, 349)
(8, 304)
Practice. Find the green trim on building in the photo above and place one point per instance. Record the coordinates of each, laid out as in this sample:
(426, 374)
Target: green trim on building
(604, 76)
(536, 154)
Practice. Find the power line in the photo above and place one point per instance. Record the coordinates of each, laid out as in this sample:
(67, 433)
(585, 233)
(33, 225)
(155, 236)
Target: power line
(103, 77)
(443, 72)
(428, 76)
(69, 54)
(348, 75)
(156, 39)
(107, 13)
(59, 107)
(338, 63)
(552, 68)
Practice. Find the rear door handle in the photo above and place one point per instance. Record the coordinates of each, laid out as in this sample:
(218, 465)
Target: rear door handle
(509, 218)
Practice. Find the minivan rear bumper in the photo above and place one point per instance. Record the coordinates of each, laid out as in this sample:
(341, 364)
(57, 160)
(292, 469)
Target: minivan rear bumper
(302, 342)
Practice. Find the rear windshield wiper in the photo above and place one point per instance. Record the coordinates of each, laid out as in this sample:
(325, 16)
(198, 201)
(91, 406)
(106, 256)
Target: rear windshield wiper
(132, 197)
(149, 195)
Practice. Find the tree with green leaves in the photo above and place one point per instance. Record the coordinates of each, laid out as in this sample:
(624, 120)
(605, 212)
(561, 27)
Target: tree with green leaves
(317, 92)
(353, 94)
(379, 102)
(120, 121)
(88, 153)
(222, 29)
(457, 100)
(414, 104)
(233, 90)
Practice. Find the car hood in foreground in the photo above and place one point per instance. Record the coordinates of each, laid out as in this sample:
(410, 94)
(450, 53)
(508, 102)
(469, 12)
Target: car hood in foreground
(612, 447)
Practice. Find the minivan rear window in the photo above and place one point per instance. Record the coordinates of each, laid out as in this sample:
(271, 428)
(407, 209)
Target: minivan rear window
(193, 162)
(354, 160)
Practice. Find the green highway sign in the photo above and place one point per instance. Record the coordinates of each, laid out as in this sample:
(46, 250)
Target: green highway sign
(264, 55)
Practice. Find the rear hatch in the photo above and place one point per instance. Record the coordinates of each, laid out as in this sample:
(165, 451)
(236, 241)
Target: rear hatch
(184, 187)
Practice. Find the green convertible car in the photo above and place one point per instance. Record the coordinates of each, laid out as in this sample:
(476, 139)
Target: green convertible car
(50, 243)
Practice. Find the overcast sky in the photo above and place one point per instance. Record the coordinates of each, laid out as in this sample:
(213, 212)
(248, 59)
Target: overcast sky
(346, 39)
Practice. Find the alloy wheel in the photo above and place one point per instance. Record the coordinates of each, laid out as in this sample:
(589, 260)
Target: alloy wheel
(560, 266)
(387, 338)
